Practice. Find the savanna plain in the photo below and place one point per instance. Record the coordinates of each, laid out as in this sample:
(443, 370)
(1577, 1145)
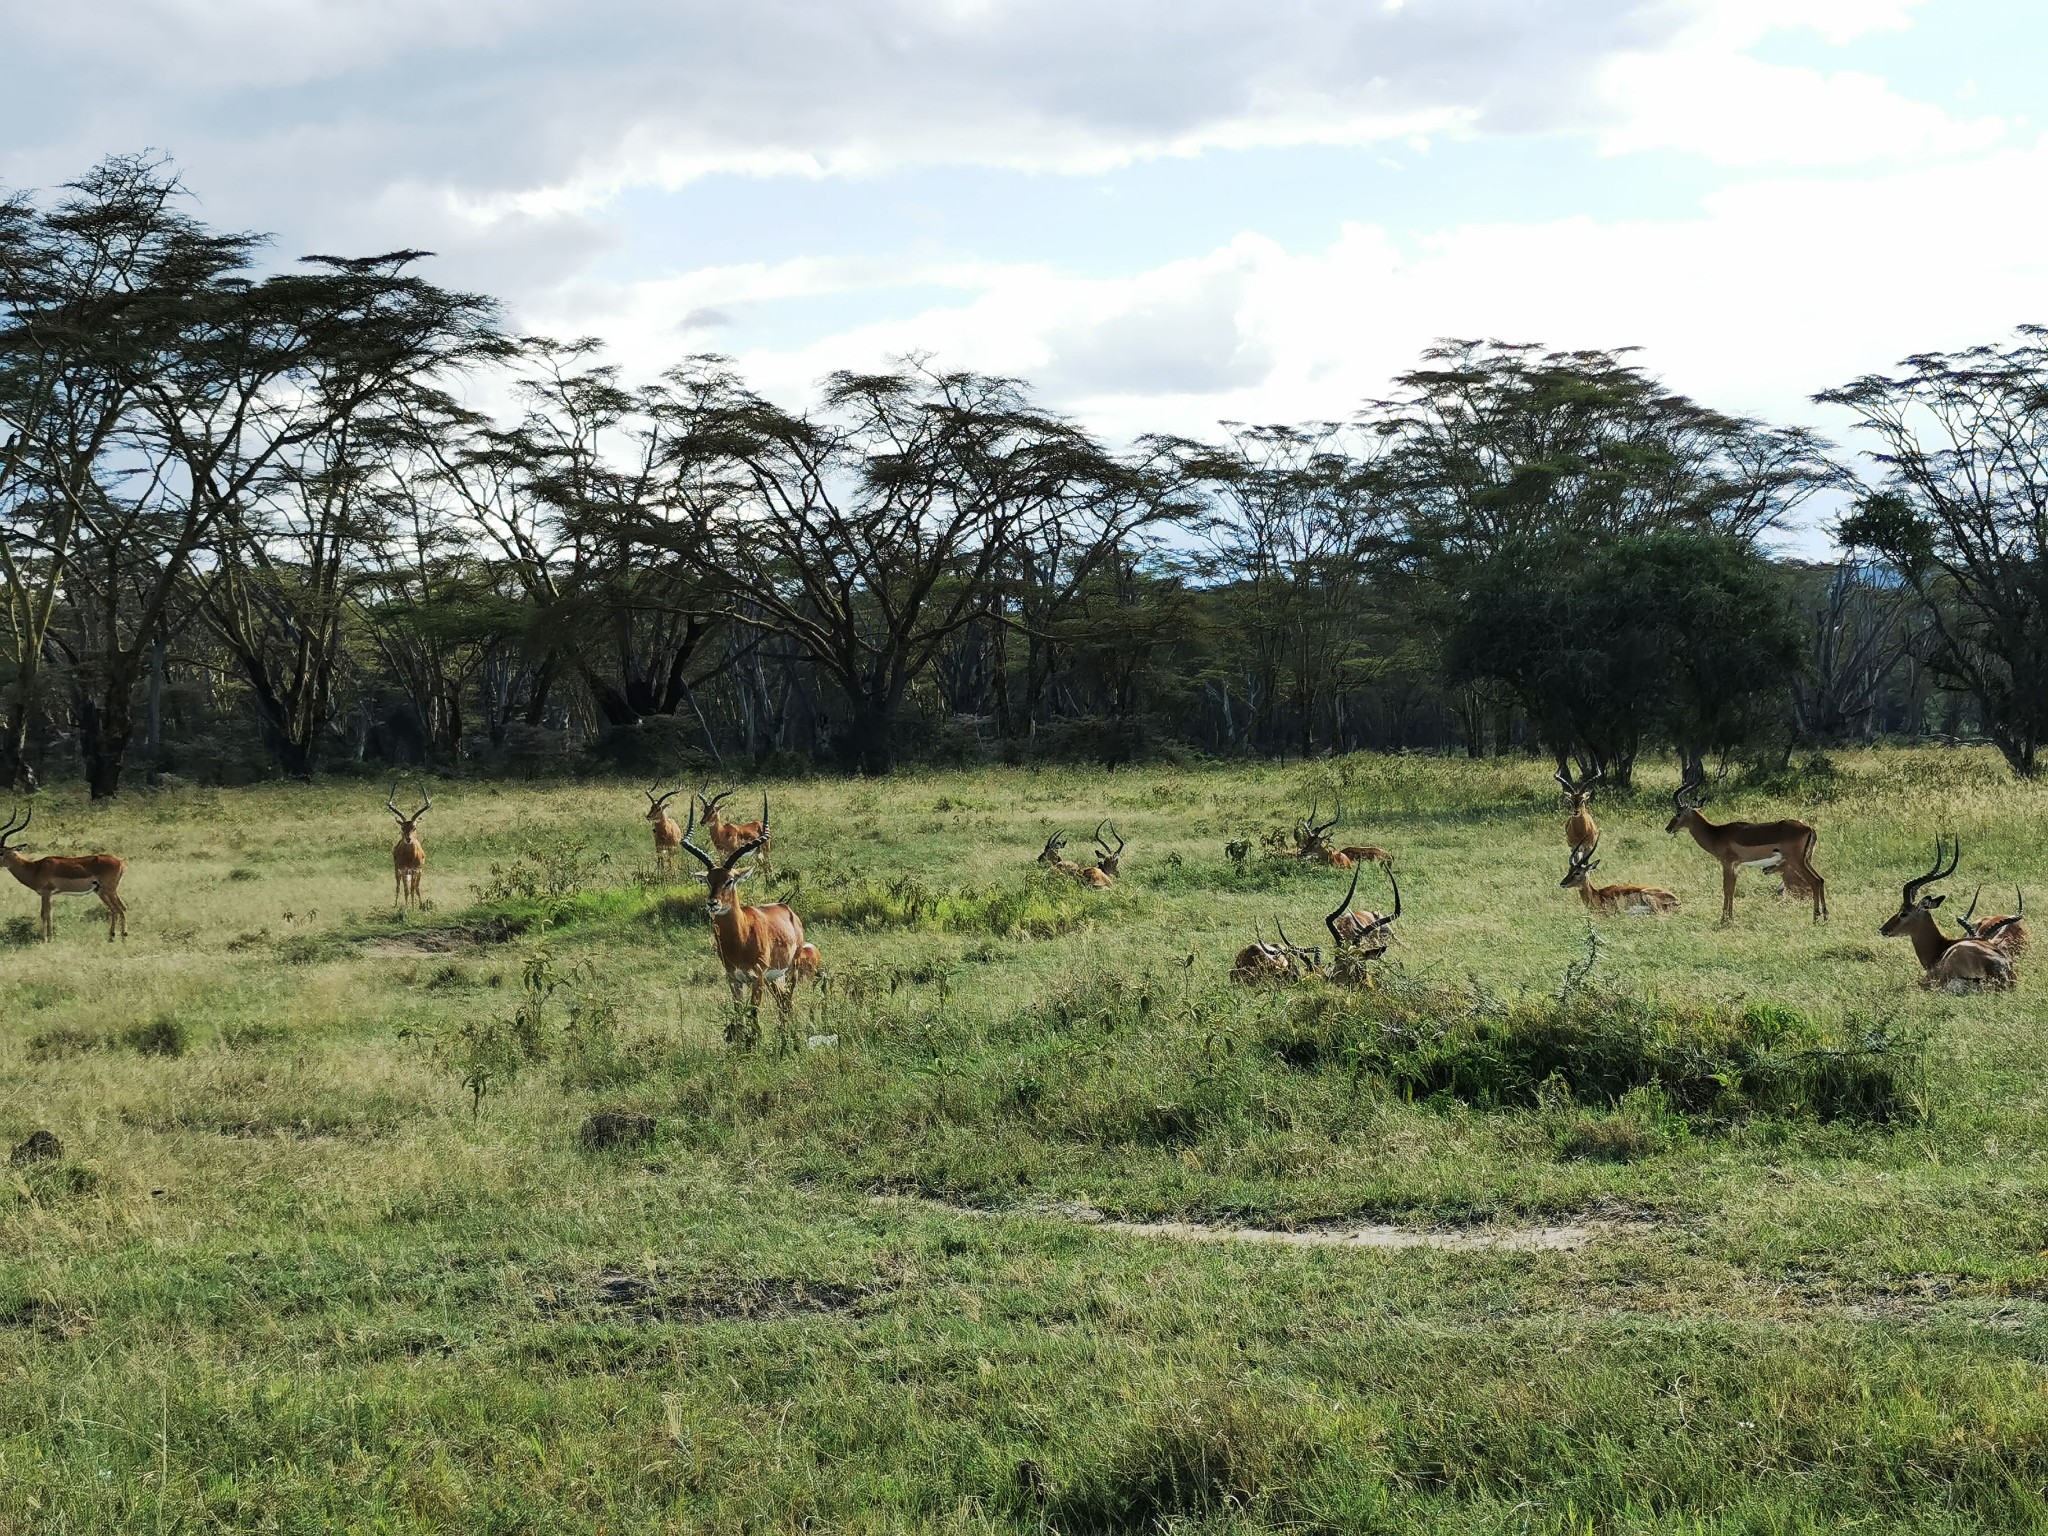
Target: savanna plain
(325, 1249)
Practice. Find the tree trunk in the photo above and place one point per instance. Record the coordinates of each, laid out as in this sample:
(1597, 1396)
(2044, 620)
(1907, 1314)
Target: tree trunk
(866, 742)
(16, 771)
(106, 729)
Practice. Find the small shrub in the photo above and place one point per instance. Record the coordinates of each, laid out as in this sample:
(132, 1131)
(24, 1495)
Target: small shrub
(19, 932)
(544, 872)
(239, 875)
(56, 1044)
(164, 1035)
(252, 1037)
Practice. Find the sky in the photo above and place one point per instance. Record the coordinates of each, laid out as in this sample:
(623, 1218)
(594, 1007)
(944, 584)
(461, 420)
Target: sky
(1163, 213)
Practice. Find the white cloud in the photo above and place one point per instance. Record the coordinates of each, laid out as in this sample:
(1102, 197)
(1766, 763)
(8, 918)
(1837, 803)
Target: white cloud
(1773, 291)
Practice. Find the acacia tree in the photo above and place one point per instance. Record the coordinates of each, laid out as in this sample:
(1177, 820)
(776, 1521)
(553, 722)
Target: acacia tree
(1961, 514)
(292, 552)
(77, 283)
(870, 531)
(1542, 461)
(1300, 515)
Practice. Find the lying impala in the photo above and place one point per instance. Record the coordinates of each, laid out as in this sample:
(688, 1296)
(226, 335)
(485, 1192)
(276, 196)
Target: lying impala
(1786, 846)
(759, 948)
(96, 873)
(2007, 935)
(1634, 900)
(667, 835)
(1579, 829)
(1363, 935)
(408, 855)
(1954, 965)
(1053, 856)
(1313, 838)
(1259, 961)
(1109, 860)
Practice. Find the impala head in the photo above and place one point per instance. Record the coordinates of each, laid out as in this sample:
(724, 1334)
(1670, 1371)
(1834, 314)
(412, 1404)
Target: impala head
(721, 880)
(1051, 852)
(657, 808)
(1577, 794)
(1913, 905)
(1310, 958)
(711, 805)
(13, 829)
(408, 826)
(2018, 895)
(1686, 801)
(1582, 867)
(1315, 834)
(1107, 857)
(1372, 935)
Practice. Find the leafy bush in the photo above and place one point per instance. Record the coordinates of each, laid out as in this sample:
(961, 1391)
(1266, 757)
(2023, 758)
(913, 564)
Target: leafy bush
(164, 1035)
(1037, 910)
(1600, 1044)
(544, 872)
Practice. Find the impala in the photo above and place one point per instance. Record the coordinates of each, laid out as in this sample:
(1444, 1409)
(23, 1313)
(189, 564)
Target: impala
(1053, 856)
(1954, 965)
(667, 835)
(1313, 838)
(759, 948)
(1109, 860)
(2007, 935)
(97, 873)
(1363, 935)
(1579, 829)
(408, 855)
(727, 835)
(1635, 900)
(1786, 846)
(1259, 961)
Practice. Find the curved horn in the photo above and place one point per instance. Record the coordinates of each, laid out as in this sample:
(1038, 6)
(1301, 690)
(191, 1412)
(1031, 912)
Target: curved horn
(426, 802)
(1098, 834)
(1295, 949)
(1973, 907)
(1397, 899)
(2021, 896)
(698, 853)
(1564, 782)
(1934, 872)
(391, 801)
(756, 840)
(14, 827)
(712, 802)
(1118, 836)
(1343, 906)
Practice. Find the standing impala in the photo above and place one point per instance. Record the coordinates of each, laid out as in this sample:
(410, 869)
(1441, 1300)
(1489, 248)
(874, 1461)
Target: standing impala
(1579, 829)
(667, 835)
(408, 855)
(1786, 846)
(727, 835)
(96, 873)
(1954, 965)
(759, 948)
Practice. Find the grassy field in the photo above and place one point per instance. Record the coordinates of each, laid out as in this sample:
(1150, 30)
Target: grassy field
(323, 1251)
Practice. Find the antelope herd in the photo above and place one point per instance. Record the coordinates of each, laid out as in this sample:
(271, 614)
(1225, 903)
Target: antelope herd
(761, 949)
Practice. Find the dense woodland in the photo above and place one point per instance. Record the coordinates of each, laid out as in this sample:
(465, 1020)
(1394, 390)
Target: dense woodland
(256, 519)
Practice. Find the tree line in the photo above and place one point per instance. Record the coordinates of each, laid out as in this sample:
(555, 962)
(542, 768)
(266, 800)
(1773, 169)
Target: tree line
(327, 513)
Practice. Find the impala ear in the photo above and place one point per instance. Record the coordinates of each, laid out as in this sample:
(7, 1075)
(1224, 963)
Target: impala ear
(1933, 901)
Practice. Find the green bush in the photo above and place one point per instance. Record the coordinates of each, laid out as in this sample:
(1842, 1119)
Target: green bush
(1710, 1061)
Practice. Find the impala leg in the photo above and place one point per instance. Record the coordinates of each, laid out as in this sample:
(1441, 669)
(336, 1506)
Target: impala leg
(49, 929)
(1727, 893)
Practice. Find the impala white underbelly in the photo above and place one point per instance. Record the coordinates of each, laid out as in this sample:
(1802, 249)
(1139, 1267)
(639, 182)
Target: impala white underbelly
(1768, 861)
